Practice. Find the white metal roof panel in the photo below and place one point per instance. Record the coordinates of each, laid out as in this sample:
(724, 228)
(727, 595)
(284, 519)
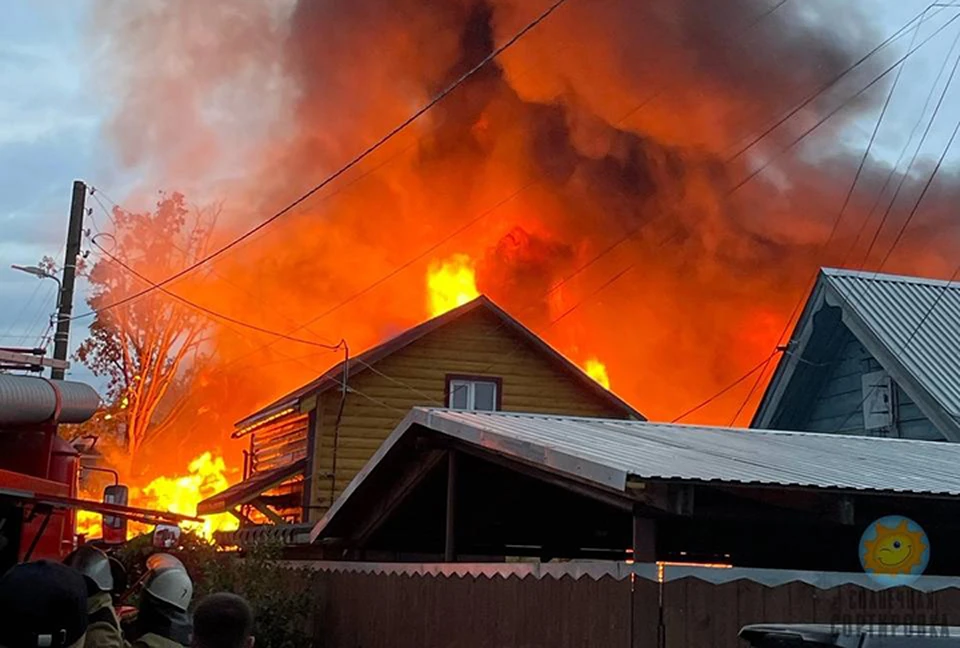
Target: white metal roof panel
(917, 320)
(705, 454)
(609, 452)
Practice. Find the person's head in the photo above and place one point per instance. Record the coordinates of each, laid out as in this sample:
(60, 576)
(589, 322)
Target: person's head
(165, 600)
(94, 565)
(42, 604)
(223, 620)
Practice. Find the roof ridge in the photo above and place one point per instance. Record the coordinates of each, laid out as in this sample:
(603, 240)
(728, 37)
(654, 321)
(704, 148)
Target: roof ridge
(888, 277)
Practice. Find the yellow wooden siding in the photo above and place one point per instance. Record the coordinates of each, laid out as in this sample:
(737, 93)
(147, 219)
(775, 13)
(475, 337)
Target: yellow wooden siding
(475, 344)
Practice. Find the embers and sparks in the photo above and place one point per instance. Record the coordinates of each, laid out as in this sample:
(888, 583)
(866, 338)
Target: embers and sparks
(450, 283)
(598, 371)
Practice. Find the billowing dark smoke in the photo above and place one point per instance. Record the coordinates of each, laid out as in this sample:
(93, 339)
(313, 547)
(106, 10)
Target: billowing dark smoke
(605, 140)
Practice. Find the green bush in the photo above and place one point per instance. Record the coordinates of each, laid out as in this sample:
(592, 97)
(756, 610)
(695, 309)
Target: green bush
(282, 598)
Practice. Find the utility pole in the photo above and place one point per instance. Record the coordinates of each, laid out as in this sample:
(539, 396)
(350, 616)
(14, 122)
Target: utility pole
(61, 338)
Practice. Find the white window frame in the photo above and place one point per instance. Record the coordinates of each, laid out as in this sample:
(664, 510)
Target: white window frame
(470, 384)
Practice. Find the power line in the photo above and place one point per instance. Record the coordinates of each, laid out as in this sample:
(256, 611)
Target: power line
(903, 153)
(833, 81)
(352, 163)
(906, 174)
(194, 305)
(840, 107)
(723, 391)
(213, 313)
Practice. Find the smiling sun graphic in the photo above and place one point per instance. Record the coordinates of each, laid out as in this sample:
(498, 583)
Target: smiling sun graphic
(894, 546)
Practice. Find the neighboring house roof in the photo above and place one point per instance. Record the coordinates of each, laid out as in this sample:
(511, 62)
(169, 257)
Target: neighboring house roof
(334, 376)
(249, 489)
(610, 452)
(910, 325)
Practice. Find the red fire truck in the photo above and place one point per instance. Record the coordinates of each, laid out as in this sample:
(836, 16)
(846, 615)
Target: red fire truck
(40, 472)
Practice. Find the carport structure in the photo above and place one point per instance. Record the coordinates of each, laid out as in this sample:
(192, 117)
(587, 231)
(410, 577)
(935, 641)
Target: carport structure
(471, 486)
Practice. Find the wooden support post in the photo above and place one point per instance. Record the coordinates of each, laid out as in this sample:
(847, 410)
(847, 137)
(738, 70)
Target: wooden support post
(449, 547)
(644, 538)
(237, 513)
(263, 508)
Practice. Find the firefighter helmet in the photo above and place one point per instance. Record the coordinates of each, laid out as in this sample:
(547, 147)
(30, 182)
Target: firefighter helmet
(169, 582)
(95, 567)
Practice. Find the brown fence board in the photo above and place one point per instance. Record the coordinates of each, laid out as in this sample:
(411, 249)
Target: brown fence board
(645, 623)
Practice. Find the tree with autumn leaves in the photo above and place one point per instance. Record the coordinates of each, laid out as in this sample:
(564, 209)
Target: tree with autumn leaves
(146, 345)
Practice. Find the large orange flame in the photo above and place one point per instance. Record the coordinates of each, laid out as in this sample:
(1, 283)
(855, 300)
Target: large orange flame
(450, 283)
(206, 475)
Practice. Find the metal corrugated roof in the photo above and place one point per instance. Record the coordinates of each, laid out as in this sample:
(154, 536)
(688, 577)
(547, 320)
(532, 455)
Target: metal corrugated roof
(917, 320)
(607, 450)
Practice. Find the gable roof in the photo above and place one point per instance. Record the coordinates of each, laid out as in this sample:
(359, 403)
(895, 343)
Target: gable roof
(910, 325)
(609, 453)
(334, 376)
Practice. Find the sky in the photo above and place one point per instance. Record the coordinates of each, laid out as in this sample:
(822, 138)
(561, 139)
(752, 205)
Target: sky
(52, 119)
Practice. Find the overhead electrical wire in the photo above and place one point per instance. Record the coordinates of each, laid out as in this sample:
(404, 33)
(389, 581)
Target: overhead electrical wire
(906, 174)
(835, 79)
(837, 109)
(343, 169)
(822, 247)
(723, 391)
(903, 153)
(208, 311)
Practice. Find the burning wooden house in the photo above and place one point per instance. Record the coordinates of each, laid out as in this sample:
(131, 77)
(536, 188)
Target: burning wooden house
(306, 447)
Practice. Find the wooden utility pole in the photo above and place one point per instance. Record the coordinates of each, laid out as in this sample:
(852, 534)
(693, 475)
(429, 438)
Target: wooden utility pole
(61, 338)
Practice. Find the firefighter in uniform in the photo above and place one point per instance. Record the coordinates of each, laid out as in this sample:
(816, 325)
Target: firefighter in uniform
(162, 619)
(103, 626)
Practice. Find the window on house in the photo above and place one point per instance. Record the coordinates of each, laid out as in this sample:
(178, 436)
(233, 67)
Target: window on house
(473, 394)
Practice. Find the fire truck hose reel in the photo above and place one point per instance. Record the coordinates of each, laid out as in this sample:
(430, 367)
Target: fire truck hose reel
(27, 400)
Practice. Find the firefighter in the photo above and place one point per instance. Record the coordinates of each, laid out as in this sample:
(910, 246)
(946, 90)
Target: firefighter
(43, 604)
(162, 619)
(103, 628)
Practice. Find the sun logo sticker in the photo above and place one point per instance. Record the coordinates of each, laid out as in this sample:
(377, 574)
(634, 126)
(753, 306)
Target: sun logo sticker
(894, 550)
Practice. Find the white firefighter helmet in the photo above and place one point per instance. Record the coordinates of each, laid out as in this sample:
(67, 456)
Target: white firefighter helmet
(160, 561)
(95, 567)
(169, 581)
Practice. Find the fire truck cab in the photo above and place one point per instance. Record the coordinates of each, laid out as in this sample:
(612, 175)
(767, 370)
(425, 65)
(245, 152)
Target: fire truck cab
(40, 472)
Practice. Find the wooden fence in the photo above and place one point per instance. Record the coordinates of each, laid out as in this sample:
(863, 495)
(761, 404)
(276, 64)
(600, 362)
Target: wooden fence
(612, 606)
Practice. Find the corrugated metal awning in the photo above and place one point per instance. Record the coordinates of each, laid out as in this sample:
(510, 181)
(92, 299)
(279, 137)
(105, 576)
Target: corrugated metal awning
(609, 452)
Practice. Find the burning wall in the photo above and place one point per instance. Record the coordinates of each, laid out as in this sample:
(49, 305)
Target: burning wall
(612, 121)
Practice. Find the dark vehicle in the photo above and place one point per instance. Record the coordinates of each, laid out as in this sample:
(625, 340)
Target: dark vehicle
(830, 636)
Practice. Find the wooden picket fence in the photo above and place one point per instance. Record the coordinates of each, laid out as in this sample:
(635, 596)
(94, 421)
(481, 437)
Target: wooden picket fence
(608, 605)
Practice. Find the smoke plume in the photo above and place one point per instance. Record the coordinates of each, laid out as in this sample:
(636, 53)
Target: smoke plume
(604, 140)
